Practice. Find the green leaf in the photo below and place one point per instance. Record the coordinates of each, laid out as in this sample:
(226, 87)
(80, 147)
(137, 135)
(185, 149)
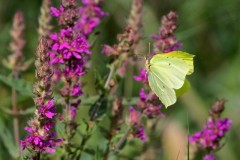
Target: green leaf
(6, 137)
(22, 86)
(27, 111)
(90, 151)
(185, 88)
(60, 128)
(98, 108)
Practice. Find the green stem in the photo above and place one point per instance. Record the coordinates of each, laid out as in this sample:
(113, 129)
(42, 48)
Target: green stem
(84, 141)
(109, 137)
(15, 112)
(121, 141)
(109, 75)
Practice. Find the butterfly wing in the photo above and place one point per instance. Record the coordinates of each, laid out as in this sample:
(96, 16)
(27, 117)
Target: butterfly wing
(186, 57)
(166, 95)
(171, 71)
(165, 75)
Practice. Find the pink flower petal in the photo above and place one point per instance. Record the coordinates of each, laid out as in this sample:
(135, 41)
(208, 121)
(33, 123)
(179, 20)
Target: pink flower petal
(55, 12)
(49, 114)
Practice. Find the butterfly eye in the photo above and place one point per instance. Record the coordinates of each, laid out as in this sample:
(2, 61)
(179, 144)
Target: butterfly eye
(145, 57)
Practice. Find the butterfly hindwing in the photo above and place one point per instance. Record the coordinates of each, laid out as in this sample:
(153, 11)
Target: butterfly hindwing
(166, 95)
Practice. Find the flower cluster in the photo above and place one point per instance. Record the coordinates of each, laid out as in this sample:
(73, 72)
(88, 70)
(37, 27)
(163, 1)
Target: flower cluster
(209, 138)
(165, 39)
(142, 77)
(149, 104)
(135, 122)
(16, 61)
(213, 132)
(130, 38)
(44, 19)
(122, 53)
(70, 48)
(90, 16)
(42, 137)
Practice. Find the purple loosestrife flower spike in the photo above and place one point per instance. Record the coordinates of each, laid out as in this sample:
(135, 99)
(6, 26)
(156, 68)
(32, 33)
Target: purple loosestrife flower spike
(44, 19)
(127, 41)
(165, 41)
(67, 13)
(131, 37)
(213, 132)
(135, 21)
(15, 63)
(41, 136)
(16, 60)
(209, 138)
(70, 51)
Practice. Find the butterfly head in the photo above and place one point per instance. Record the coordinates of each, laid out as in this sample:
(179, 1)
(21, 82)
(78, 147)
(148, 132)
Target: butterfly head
(147, 63)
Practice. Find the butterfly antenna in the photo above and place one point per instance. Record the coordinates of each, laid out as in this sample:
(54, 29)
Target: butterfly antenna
(149, 48)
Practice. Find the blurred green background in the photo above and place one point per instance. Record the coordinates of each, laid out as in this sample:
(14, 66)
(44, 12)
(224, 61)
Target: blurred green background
(208, 29)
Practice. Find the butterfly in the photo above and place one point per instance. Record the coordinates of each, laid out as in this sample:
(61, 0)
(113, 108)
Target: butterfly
(167, 73)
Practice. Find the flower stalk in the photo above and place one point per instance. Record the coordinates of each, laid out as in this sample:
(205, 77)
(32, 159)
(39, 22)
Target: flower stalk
(44, 19)
(122, 54)
(213, 132)
(15, 63)
(41, 136)
(70, 52)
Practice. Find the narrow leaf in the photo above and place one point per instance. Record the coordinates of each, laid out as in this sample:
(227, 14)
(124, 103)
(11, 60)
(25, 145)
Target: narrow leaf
(6, 137)
(22, 86)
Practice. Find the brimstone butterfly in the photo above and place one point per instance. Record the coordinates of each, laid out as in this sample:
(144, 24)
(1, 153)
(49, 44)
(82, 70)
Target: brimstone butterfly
(167, 73)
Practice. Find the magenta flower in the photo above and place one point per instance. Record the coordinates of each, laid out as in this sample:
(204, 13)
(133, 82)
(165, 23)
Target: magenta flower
(40, 140)
(209, 138)
(166, 44)
(209, 157)
(55, 12)
(48, 110)
(76, 91)
(73, 112)
(134, 117)
(142, 77)
(41, 137)
(135, 122)
(70, 49)
(67, 45)
(165, 41)
(140, 133)
(149, 104)
(142, 95)
(90, 17)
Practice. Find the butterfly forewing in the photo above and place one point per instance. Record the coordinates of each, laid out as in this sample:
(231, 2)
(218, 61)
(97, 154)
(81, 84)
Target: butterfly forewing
(171, 71)
(186, 57)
